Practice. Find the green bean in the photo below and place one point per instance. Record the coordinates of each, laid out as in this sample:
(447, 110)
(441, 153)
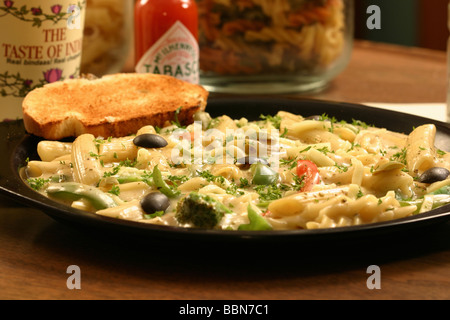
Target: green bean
(443, 190)
(72, 191)
(162, 186)
(128, 179)
(439, 200)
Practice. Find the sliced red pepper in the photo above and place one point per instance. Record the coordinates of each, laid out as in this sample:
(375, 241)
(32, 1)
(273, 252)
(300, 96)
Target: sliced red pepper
(309, 173)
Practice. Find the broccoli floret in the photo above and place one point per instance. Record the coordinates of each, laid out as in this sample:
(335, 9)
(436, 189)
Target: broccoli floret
(200, 210)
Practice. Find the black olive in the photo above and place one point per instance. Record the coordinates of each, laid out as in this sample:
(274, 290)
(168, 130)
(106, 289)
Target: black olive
(149, 140)
(244, 163)
(154, 202)
(434, 175)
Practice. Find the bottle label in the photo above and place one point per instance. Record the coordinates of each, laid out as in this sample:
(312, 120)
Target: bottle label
(175, 54)
(41, 42)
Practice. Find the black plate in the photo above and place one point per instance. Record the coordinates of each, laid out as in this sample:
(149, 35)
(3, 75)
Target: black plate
(17, 146)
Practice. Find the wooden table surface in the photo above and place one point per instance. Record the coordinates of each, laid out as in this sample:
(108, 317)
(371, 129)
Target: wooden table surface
(388, 73)
(35, 250)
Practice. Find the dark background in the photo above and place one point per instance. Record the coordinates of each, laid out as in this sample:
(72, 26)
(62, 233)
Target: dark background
(418, 23)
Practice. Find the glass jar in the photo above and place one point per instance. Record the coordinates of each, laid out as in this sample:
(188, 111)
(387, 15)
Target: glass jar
(107, 36)
(273, 46)
(41, 43)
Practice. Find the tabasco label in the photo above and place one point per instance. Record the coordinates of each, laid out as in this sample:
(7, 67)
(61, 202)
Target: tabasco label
(175, 54)
(40, 43)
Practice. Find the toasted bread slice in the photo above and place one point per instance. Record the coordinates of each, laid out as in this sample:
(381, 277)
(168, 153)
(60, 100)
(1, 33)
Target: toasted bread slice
(112, 106)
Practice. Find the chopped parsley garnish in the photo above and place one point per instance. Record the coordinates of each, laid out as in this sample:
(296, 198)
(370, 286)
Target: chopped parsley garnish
(359, 123)
(176, 121)
(114, 171)
(99, 141)
(269, 193)
(244, 183)
(94, 155)
(299, 182)
(341, 168)
(274, 120)
(214, 123)
(124, 163)
(177, 179)
(115, 190)
(210, 177)
(359, 194)
(128, 163)
(399, 156)
(231, 189)
(291, 163)
(154, 215)
(324, 150)
(37, 183)
(306, 149)
(273, 192)
(333, 121)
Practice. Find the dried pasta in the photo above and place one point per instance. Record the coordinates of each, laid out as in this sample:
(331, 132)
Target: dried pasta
(362, 174)
(105, 41)
(270, 36)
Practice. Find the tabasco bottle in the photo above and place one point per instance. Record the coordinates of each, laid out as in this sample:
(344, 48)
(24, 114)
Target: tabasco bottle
(166, 38)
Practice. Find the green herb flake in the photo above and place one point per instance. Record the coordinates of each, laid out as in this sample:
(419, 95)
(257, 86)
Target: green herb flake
(154, 215)
(115, 190)
(274, 120)
(37, 183)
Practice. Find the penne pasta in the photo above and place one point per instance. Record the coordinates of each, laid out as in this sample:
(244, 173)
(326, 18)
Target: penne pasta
(421, 153)
(117, 149)
(85, 160)
(50, 150)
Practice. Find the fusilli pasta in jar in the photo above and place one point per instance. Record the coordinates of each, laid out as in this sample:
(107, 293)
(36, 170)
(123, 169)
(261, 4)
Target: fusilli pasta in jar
(273, 45)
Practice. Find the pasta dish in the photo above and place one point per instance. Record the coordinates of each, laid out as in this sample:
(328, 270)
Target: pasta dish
(280, 172)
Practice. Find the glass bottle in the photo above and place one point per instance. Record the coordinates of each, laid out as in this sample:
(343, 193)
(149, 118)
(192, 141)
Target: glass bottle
(166, 38)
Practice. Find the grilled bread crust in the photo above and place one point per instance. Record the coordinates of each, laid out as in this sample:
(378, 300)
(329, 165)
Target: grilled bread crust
(112, 106)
